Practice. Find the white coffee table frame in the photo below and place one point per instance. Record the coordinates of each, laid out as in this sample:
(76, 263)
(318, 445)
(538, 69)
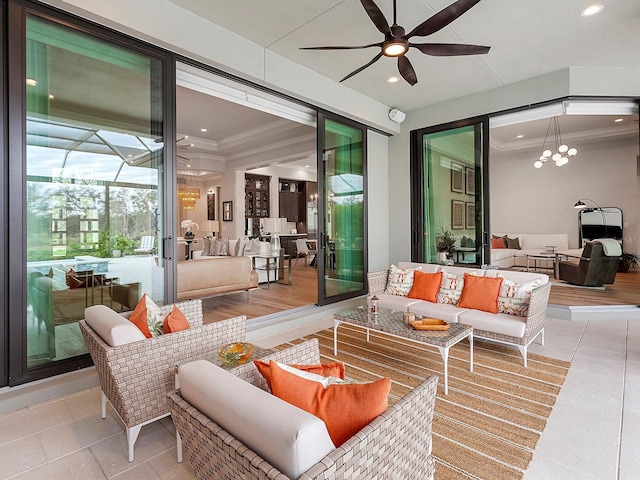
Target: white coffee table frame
(390, 323)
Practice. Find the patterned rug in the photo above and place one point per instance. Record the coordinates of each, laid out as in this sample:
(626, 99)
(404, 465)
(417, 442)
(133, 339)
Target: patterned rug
(489, 424)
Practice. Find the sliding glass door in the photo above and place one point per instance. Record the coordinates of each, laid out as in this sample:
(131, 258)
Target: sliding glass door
(91, 138)
(342, 224)
(448, 182)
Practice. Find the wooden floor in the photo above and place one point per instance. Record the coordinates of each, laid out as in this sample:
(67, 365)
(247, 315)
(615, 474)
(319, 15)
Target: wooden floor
(303, 292)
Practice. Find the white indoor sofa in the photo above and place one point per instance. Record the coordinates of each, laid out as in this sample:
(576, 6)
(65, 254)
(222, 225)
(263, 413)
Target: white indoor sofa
(530, 243)
(511, 329)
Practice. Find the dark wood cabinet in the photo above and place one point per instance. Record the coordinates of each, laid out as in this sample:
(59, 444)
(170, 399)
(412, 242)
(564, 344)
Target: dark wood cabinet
(256, 192)
(292, 200)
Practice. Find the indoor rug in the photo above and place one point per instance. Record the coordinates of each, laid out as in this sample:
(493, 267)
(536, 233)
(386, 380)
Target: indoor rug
(489, 424)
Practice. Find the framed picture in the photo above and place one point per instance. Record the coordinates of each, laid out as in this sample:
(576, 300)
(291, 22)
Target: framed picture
(457, 215)
(470, 216)
(227, 211)
(457, 178)
(470, 180)
(211, 206)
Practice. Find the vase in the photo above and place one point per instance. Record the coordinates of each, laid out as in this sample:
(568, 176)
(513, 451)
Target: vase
(189, 236)
(441, 258)
(275, 245)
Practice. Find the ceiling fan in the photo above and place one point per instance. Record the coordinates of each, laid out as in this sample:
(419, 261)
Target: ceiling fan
(396, 42)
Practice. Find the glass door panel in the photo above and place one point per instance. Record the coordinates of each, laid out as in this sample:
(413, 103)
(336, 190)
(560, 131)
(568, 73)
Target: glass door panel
(342, 233)
(94, 154)
(450, 196)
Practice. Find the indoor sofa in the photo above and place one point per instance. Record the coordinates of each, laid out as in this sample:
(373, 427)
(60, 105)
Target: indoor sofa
(518, 245)
(254, 251)
(197, 279)
(520, 327)
(396, 444)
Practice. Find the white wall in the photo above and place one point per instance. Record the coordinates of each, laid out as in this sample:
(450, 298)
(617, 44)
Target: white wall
(572, 81)
(379, 233)
(525, 199)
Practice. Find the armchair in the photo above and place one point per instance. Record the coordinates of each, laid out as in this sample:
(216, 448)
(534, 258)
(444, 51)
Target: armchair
(593, 269)
(135, 376)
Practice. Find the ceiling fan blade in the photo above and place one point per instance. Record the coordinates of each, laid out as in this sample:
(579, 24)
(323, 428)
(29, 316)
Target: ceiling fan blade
(443, 18)
(376, 16)
(406, 70)
(450, 49)
(339, 47)
(358, 70)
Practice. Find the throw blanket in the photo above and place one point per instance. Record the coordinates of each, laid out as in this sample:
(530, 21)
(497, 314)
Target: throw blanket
(610, 246)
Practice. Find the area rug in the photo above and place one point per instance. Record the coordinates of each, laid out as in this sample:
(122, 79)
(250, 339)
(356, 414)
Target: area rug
(489, 424)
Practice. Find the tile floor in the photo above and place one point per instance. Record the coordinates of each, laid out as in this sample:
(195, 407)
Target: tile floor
(593, 431)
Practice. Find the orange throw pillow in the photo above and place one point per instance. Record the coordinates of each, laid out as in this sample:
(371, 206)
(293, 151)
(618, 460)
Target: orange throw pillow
(148, 317)
(480, 293)
(497, 243)
(175, 321)
(345, 408)
(335, 369)
(425, 286)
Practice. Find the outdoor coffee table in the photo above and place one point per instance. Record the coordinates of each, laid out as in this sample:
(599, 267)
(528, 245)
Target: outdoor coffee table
(390, 322)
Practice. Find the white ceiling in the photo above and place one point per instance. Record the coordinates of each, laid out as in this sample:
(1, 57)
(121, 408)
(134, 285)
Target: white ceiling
(527, 39)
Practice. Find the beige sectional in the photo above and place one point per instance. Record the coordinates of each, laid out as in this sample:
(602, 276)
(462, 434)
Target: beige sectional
(512, 329)
(530, 243)
(197, 279)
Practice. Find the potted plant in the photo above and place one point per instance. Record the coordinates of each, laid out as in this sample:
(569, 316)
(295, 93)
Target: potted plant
(628, 261)
(445, 242)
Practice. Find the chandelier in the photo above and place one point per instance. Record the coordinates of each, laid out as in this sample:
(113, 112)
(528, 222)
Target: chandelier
(188, 195)
(563, 152)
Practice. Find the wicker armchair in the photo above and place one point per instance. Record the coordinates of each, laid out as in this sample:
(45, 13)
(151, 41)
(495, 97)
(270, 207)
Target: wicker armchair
(397, 444)
(136, 377)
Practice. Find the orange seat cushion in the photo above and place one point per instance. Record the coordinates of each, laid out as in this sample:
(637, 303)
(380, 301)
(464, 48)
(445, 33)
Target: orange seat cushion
(334, 369)
(425, 286)
(175, 321)
(480, 293)
(344, 408)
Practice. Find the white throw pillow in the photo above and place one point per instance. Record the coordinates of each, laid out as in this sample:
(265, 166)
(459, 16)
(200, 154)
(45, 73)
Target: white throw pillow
(400, 280)
(450, 288)
(514, 297)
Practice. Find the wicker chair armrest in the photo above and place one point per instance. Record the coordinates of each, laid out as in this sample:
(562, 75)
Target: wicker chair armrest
(377, 281)
(537, 315)
(305, 353)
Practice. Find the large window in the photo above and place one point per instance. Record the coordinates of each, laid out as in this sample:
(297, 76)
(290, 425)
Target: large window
(92, 133)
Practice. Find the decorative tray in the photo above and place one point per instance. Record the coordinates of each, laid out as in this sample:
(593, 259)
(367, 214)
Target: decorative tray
(430, 324)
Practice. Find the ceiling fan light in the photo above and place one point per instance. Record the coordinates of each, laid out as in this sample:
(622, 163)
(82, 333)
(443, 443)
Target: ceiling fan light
(395, 47)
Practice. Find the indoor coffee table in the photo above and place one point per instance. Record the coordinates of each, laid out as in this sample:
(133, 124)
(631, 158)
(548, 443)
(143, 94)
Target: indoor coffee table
(390, 322)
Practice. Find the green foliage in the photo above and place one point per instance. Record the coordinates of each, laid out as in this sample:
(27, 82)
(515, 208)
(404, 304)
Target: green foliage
(631, 259)
(445, 240)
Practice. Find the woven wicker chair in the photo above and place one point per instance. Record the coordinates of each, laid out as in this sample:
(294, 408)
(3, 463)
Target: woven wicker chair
(136, 377)
(397, 444)
(535, 321)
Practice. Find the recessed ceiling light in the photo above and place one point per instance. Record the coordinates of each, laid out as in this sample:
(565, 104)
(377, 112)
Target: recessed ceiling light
(519, 136)
(203, 129)
(392, 79)
(51, 97)
(306, 166)
(618, 120)
(31, 82)
(592, 10)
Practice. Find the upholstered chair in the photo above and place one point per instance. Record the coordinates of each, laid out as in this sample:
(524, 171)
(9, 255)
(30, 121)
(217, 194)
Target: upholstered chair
(593, 268)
